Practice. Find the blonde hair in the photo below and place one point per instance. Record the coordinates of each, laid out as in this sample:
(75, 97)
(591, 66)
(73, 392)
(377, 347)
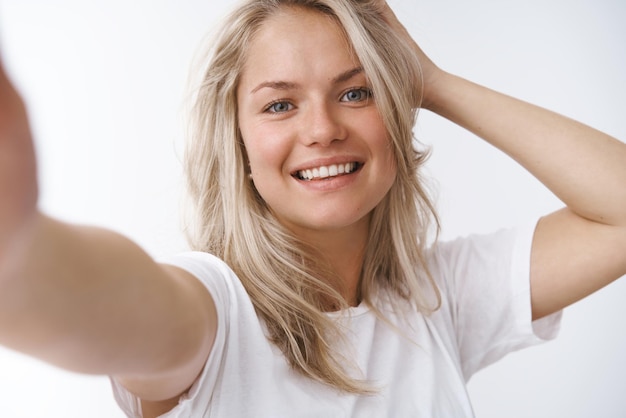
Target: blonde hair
(288, 282)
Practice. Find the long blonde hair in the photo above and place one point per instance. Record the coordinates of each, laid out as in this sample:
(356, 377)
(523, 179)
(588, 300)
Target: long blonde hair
(288, 283)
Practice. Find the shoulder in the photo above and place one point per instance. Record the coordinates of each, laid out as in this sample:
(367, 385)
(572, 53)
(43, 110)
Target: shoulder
(209, 270)
(203, 265)
(498, 251)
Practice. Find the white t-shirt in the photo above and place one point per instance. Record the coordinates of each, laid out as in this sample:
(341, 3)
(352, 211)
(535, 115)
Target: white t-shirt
(419, 372)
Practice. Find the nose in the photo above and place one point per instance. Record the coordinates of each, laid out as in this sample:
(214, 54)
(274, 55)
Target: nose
(322, 125)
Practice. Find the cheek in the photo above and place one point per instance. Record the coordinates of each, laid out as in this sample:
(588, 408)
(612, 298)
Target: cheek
(390, 173)
(385, 148)
(389, 163)
(266, 149)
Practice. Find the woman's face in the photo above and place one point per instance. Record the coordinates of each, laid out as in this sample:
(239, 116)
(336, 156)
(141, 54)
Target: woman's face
(318, 150)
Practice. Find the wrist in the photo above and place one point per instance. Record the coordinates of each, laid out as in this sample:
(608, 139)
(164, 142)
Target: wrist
(434, 87)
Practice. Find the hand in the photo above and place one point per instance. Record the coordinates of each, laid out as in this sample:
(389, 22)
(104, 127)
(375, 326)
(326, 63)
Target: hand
(431, 74)
(18, 174)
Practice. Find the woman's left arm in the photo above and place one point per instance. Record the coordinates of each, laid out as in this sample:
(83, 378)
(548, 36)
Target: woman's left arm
(580, 248)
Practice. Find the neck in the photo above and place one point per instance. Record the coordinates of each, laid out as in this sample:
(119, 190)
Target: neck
(344, 250)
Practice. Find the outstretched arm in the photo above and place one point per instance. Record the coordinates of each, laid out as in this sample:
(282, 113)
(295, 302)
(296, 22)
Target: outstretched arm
(580, 248)
(87, 299)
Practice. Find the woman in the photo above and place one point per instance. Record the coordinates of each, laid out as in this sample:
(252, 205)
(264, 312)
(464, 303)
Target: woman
(309, 193)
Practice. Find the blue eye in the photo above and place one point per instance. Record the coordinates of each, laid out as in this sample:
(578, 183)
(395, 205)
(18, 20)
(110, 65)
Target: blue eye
(357, 95)
(279, 107)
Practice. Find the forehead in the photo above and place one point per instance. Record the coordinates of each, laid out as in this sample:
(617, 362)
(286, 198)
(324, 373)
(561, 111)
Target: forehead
(297, 40)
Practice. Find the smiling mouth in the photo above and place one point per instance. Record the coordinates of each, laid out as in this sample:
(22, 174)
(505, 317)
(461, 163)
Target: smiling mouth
(327, 171)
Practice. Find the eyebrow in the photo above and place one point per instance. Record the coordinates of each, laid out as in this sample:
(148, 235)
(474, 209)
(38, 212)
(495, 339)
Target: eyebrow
(287, 85)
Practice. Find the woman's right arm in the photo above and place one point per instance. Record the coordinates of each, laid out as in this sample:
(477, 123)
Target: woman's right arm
(88, 299)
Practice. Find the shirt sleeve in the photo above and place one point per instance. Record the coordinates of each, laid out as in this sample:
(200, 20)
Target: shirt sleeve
(218, 279)
(485, 284)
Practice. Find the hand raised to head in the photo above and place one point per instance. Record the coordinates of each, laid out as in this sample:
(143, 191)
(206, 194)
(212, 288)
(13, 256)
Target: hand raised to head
(430, 71)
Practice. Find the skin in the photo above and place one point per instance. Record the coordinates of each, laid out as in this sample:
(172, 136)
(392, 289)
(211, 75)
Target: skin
(312, 110)
(58, 278)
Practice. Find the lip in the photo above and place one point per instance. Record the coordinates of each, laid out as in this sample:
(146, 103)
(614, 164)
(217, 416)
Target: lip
(329, 184)
(326, 162)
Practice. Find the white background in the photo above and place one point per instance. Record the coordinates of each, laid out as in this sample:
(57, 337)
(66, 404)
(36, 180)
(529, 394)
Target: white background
(104, 81)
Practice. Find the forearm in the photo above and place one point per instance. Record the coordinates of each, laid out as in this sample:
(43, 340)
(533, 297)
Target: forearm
(91, 301)
(585, 168)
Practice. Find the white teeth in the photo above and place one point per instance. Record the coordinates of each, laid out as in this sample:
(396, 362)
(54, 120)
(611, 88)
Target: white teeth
(326, 171)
